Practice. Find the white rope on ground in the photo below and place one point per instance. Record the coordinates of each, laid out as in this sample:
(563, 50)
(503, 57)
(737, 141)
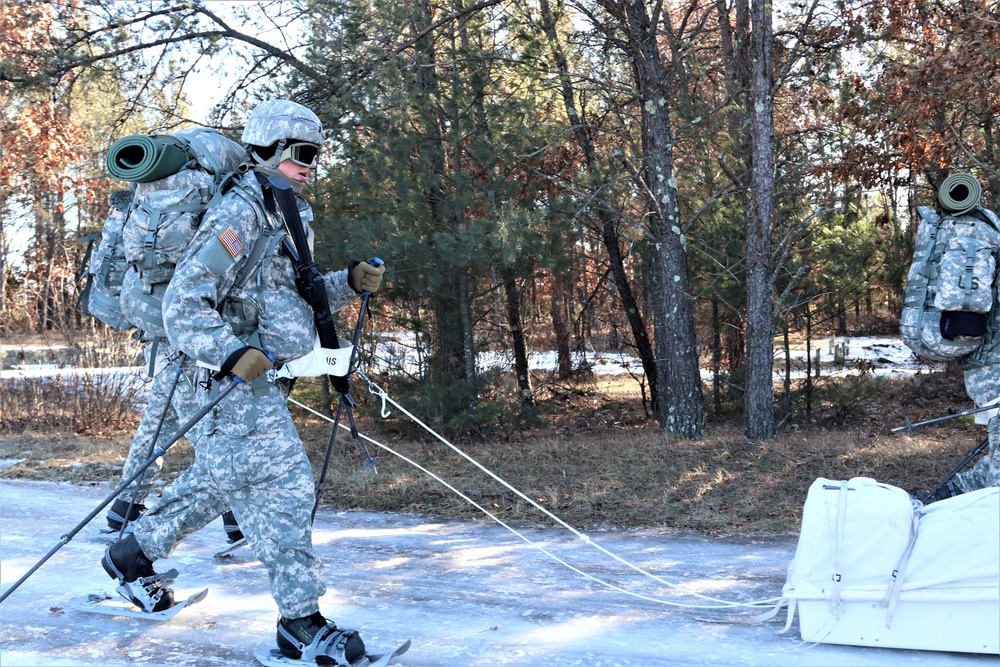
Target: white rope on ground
(720, 604)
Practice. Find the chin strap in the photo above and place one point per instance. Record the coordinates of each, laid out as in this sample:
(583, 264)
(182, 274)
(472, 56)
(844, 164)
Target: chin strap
(264, 167)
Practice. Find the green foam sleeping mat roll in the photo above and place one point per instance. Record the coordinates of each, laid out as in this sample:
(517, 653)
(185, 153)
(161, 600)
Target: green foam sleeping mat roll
(959, 193)
(138, 158)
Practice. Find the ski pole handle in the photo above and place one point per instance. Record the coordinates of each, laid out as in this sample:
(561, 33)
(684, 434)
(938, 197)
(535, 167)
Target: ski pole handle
(374, 261)
(356, 338)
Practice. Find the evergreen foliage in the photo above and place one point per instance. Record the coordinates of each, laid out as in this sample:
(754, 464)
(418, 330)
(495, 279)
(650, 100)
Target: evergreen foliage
(502, 157)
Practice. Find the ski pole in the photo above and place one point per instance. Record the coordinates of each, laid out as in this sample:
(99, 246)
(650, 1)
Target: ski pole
(159, 451)
(971, 411)
(971, 455)
(149, 452)
(346, 402)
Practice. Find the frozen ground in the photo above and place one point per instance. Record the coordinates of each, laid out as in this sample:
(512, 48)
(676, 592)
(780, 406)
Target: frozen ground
(469, 594)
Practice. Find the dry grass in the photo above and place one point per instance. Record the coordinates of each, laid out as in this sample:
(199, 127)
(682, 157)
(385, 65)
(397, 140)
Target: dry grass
(101, 402)
(597, 461)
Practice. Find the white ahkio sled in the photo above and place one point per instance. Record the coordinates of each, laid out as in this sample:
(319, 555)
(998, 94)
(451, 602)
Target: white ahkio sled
(873, 567)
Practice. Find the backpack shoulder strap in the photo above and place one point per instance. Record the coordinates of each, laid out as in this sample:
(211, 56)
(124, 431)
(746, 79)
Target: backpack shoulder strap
(987, 216)
(262, 247)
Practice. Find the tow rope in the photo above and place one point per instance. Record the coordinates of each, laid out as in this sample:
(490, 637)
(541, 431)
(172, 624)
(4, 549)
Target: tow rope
(716, 603)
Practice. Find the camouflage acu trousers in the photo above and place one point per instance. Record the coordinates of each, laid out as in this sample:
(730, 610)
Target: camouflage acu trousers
(248, 456)
(986, 471)
(182, 405)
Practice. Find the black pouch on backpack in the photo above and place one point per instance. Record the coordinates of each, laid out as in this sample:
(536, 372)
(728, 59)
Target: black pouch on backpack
(959, 324)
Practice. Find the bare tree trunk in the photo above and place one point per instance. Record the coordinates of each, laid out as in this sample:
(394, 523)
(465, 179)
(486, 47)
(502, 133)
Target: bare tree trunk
(758, 401)
(809, 374)
(786, 345)
(464, 289)
(468, 342)
(46, 238)
(516, 322)
(448, 363)
(681, 406)
(609, 230)
(716, 357)
(560, 325)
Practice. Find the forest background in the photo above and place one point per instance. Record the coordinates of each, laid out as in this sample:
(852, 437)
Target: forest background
(697, 183)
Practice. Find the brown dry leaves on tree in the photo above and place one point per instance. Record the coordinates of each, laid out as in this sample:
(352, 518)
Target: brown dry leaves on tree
(40, 141)
(938, 97)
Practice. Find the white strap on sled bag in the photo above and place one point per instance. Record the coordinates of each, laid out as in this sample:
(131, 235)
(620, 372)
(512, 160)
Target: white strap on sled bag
(321, 361)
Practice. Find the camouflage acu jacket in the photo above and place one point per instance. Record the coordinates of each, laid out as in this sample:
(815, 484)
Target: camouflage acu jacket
(217, 300)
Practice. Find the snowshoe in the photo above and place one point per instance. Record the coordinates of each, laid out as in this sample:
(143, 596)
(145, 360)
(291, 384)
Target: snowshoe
(232, 527)
(116, 516)
(275, 658)
(138, 582)
(105, 604)
(313, 639)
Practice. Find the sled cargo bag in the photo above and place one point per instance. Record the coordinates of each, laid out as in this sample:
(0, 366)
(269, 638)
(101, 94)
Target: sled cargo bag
(873, 567)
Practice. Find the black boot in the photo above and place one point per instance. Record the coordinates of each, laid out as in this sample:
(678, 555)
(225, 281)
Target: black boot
(125, 561)
(310, 638)
(116, 515)
(232, 528)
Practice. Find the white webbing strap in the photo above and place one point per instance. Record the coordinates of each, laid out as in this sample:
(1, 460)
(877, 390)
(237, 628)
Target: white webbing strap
(837, 604)
(892, 593)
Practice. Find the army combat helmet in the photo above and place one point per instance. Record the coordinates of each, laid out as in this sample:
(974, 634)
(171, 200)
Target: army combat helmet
(287, 130)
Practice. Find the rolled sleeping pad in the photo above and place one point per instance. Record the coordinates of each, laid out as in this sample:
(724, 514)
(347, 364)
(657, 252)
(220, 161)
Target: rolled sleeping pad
(959, 193)
(138, 158)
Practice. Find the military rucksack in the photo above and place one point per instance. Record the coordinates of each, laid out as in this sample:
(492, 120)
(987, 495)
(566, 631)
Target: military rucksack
(104, 266)
(175, 178)
(949, 292)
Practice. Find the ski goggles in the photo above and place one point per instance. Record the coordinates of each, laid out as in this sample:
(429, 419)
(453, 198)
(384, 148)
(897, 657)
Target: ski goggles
(301, 153)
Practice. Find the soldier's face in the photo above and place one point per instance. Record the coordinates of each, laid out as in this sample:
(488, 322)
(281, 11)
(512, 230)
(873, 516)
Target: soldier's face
(293, 171)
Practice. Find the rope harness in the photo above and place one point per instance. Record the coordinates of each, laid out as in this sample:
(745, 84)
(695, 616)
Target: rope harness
(715, 603)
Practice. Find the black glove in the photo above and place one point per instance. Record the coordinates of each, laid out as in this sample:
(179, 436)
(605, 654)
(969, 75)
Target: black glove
(363, 277)
(247, 364)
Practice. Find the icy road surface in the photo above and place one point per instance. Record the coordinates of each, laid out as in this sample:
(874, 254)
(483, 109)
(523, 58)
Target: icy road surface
(468, 594)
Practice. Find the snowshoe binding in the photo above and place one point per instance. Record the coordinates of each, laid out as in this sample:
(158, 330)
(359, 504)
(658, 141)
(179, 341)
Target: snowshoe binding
(138, 582)
(120, 514)
(232, 527)
(313, 639)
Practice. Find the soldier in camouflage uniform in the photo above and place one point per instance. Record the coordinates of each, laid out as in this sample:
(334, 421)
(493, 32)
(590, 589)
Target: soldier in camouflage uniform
(164, 376)
(169, 382)
(225, 313)
(982, 382)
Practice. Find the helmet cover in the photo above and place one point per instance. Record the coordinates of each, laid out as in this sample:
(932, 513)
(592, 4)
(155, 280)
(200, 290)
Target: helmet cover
(274, 120)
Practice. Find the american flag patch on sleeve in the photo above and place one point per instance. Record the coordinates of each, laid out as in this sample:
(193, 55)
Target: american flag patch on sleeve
(231, 241)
